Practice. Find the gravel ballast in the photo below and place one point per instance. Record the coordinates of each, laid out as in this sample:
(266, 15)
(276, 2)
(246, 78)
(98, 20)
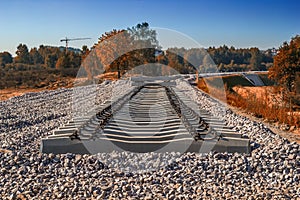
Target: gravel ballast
(271, 171)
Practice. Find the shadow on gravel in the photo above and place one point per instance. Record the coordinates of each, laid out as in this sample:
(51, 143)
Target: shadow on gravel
(254, 145)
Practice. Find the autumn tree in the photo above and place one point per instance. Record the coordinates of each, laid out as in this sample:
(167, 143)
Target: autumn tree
(92, 65)
(111, 48)
(287, 64)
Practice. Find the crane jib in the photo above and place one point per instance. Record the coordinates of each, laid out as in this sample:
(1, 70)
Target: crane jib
(71, 39)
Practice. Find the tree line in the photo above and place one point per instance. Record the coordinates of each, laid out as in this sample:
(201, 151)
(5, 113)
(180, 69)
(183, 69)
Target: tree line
(44, 56)
(141, 47)
(144, 49)
(37, 66)
(144, 40)
(221, 59)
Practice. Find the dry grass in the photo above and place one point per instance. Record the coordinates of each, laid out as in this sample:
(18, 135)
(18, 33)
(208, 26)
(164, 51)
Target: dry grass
(261, 105)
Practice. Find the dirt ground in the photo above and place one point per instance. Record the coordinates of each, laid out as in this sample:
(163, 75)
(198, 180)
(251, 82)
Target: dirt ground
(10, 92)
(62, 82)
(13, 92)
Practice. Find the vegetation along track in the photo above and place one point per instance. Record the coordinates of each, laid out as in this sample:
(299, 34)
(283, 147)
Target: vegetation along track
(150, 118)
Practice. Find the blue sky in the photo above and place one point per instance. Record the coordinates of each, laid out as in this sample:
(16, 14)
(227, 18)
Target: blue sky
(239, 23)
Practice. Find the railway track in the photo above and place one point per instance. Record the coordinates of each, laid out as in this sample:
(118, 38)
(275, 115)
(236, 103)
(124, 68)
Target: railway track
(151, 117)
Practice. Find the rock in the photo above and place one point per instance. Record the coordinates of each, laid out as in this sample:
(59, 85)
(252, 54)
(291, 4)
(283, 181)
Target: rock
(101, 196)
(106, 187)
(271, 171)
(292, 128)
(78, 158)
(5, 151)
(13, 196)
(70, 156)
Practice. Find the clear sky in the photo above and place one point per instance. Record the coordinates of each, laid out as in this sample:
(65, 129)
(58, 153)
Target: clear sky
(240, 23)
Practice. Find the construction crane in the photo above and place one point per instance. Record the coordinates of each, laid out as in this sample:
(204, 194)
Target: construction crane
(68, 39)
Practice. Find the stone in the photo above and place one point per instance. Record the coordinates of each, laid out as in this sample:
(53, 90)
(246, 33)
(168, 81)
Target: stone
(291, 156)
(5, 151)
(25, 171)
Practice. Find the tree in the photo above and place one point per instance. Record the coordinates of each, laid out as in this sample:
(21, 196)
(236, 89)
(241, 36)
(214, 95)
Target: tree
(287, 64)
(193, 58)
(50, 60)
(92, 65)
(122, 50)
(35, 56)
(75, 59)
(143, 36)
(50, 55)
(145, 43)
(22, 54)
(175, 59)
(85, 51)
(255, 60)
(110, 50)
(5, 58)
(63, 62)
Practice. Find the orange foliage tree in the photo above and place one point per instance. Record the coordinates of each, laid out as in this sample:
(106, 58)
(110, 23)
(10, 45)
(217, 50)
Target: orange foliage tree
(287, 64)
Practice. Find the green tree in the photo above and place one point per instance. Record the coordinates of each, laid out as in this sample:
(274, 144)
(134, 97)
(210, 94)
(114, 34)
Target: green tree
(143, 36)
(287, 64)
(50, 55)
(63, 62)
(145, 42)
(85, 50)
(75, 59)
(50, 61)
(255, 60)
(22, 54)
(35, 56)
(5, 58)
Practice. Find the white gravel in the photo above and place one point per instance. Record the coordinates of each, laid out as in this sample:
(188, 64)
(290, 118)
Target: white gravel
(271, 171)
